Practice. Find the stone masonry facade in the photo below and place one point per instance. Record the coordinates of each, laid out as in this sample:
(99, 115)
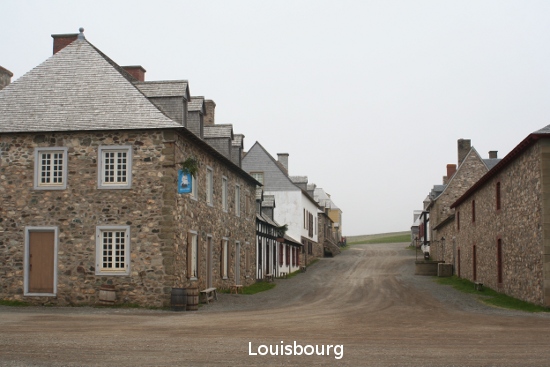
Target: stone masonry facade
(504, 248)
(157, 216)
(470, 170)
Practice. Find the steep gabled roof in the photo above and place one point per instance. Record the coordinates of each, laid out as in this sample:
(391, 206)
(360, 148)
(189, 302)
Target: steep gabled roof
(525, 144)
(78, 88)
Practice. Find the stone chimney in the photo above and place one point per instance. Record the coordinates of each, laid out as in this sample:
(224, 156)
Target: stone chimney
(282, 158)
(60, 41)
(137, 71)
(493, 154)
(464, 146)
(210, 106)
(5, 77)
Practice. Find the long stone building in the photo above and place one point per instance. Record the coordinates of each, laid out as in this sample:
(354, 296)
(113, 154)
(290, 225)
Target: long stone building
(502, 223)
(90, 164)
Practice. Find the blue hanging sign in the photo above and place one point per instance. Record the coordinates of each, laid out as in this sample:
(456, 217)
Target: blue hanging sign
(184, 182)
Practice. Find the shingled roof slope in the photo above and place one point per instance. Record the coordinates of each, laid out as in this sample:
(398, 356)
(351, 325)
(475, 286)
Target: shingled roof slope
(78, 88)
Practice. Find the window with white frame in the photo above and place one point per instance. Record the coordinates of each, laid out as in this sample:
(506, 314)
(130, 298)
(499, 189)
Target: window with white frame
(115, 167)
(50, 168)
(112, 250)
(238, 200)
(224, 194)
(193, 255)
(209, 186)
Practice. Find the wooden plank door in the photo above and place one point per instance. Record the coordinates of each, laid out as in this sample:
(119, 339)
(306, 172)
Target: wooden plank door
(41, 262)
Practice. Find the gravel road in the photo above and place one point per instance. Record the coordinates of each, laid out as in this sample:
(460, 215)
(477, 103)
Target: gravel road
(365, 304)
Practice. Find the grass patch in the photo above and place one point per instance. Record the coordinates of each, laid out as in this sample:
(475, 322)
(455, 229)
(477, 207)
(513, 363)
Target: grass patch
(404, 236)
(258, 287)
(12, 303)
(491, 296)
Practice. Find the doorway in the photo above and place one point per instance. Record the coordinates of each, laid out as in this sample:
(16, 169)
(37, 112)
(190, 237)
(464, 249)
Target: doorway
(41, 261)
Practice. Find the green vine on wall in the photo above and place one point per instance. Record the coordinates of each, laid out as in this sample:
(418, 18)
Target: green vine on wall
(190, 165)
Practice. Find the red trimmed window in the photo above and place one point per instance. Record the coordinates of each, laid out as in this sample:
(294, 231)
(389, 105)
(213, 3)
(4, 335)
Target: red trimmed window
(498, 195)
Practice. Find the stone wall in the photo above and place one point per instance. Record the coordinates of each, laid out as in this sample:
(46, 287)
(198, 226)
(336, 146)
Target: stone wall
(158, 217)
(518, 225)
(78, 210)
(469, 172)
(210, 221)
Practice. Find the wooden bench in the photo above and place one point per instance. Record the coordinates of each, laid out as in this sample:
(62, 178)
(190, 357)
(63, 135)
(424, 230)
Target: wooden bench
(209, 294)
(235, 288)
(478, 286)
(269, 277)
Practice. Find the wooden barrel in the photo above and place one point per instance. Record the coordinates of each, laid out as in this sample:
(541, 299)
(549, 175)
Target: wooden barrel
(178, 299)
(192, 299)
(107, 294)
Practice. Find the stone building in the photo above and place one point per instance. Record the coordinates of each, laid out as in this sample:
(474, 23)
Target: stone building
(460, 177)
(503, 223)
(90, 161)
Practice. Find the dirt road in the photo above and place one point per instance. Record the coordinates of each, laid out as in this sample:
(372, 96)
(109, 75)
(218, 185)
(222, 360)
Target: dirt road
(365, 303)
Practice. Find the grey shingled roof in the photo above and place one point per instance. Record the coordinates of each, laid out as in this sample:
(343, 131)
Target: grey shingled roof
(491, 162)
(164, 88)
(78, 88)
(544, 130)
(218, 131)
(196, 104)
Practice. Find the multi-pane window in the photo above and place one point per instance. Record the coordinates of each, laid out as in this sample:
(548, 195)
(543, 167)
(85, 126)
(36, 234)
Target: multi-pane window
(224, 194)
(113, 250)
(258, 176)
(50, 172)
(115, 167)
(209, 186)
(238, 200)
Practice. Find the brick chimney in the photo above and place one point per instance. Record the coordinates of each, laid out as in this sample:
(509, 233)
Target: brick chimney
(5, 77)
(210, 107)
(137, 71)
(493, 154)
(451, 170)
(60, 41)
(464, 146)
(282, 158)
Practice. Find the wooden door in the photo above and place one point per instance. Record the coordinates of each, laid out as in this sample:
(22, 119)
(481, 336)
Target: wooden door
(41, 262)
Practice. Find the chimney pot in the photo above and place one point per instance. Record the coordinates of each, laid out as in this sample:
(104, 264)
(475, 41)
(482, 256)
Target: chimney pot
(493, 154)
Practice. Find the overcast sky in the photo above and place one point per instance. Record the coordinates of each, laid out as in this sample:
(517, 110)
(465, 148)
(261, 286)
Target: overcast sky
(369, 98)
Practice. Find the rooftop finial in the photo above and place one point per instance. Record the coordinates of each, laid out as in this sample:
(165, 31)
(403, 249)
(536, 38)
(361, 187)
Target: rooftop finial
(81, 35)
